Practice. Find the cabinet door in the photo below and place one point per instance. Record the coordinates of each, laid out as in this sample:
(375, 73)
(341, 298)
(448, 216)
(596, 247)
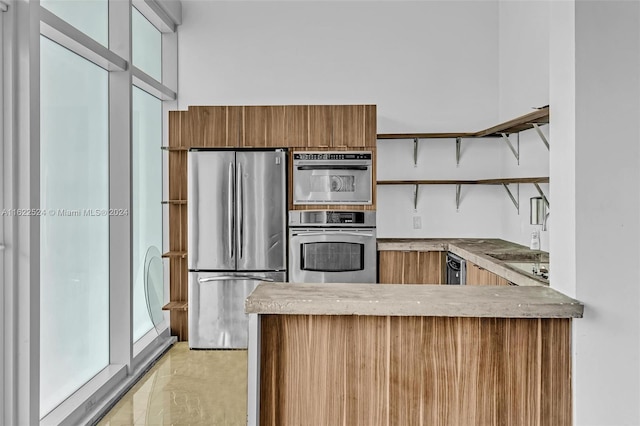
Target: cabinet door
(411, 267)
(296, 126)
(215, 126)
(254, 119)
(480, 276)
(320, 126)
(348, 126)
(390, 267)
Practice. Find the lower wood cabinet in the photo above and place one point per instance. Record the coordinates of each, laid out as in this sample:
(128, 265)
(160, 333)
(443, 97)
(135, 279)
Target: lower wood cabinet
(411, 267)
(480, 276)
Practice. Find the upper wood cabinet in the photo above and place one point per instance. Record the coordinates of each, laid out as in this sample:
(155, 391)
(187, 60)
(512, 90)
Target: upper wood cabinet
(215, 126)
(411, 267)
(480, 276)
(295, 126)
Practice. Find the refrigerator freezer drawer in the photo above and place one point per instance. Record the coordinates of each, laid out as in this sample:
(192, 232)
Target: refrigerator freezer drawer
(216, 307)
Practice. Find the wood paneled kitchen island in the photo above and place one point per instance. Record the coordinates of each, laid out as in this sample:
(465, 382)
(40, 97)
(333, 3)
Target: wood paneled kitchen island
(367, 354)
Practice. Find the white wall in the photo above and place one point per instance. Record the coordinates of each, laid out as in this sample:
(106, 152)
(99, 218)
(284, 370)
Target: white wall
(428, 66)
(596, 106)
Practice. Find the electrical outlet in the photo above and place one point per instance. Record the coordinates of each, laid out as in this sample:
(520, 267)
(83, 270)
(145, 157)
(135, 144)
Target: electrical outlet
(417, 222)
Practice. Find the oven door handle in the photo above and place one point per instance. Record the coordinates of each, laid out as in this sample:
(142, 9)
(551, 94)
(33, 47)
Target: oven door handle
(333, 167)
(336, 233)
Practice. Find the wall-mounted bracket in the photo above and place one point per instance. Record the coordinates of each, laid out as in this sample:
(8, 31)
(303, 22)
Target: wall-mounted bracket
(415, 197)
(458, 186)
(516, 151)
(415, 152)
(542, 136)
(458, 141)
(544, 197)
(515, 199)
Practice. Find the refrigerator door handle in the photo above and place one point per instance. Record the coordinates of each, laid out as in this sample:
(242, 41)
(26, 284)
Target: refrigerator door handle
(235, 278)
(230, 223)
(240, 203)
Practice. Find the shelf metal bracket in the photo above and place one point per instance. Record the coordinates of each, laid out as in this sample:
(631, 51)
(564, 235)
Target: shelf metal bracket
(415, 152)
(542, 136)
(458, 186)
(516, 152)
(415, 197)
(458, 140)
(544, 197)
(513, 199)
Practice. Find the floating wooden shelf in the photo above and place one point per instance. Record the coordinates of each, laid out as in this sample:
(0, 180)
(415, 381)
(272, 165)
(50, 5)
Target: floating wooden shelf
(501, 181)
(174, 148)
(181, 254)
(174, 202)
(176, 306)
(425, 135)
(505, 182)
(524, 122)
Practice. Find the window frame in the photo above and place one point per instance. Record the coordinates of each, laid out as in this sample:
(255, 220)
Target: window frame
(25, 21)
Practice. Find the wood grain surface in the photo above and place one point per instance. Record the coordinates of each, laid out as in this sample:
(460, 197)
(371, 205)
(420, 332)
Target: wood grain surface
(366, 370)
(480, 276)
(412, 267)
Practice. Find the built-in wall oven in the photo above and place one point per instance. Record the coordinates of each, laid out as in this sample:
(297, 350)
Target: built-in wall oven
(332, 246)
(332, 177)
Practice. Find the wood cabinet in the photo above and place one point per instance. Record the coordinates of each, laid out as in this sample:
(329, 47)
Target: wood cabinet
(411, 267)
(480, 276)
(299, 126)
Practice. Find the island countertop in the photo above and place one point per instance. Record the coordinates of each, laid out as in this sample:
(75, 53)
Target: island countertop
(411, 300)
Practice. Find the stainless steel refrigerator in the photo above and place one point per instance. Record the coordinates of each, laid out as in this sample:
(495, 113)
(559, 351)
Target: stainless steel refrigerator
(236, 238)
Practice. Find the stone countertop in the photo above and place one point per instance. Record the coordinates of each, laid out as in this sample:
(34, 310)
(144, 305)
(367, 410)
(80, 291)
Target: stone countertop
(487, 253)
(411, 300)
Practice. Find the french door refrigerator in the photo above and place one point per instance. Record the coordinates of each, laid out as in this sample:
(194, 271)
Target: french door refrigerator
(236, 202)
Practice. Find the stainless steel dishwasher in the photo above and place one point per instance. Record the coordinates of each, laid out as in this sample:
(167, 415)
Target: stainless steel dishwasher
(456, 270)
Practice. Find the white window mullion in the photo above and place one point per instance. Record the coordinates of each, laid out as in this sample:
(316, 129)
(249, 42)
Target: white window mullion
(120, 135)
(152, 86)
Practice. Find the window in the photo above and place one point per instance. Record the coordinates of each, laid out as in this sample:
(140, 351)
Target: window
(147, 211)
(74, 233)
(147, 46)
(89, 16)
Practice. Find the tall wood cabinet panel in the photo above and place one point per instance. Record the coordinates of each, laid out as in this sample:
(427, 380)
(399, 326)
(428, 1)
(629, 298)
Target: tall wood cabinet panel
(480, 276)
(411, 267)
(182, 128)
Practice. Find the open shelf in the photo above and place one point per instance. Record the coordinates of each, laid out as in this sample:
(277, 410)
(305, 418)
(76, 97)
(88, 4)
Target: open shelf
(174, 202)
(531, 120)
(505, 182)
(176, 306)
(500, 181)
(174, 148)
(524, 122)
(181, 254)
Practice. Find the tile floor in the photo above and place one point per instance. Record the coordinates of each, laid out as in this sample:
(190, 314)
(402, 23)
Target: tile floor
(187, 387)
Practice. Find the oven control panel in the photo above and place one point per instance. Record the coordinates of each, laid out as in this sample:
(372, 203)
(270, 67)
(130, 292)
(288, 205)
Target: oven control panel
(340, 218)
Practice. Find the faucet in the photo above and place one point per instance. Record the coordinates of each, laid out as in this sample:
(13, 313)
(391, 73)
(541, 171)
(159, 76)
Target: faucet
(544, 222)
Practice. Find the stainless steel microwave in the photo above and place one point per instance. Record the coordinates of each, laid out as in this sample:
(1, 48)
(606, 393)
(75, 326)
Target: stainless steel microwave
(332, 177)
